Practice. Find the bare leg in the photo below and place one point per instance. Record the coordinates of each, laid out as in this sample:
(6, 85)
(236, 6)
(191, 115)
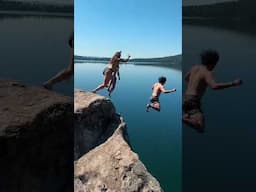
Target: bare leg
(109, 85)
(101, 86)
(155, 106)
(110, 82)
(63, 75)
(105, 83)
(195, 121)
(113, 85)
(147, 107)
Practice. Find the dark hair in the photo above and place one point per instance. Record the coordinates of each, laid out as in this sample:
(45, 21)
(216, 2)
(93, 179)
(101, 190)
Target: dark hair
(71, 40)
(162, 80)
(209, 57)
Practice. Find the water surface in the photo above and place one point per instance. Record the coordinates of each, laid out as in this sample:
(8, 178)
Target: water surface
(156, 137)
(226, 152)
(34, 48)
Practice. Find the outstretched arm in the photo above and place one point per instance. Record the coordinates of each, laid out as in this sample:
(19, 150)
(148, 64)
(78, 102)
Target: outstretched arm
(217, 86)
(62, 75)
(125, 60)
(163, 90)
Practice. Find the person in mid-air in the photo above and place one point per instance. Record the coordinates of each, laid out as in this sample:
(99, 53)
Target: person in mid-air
(199, 78)
(110, 71)
(158, 88)
(66, 73)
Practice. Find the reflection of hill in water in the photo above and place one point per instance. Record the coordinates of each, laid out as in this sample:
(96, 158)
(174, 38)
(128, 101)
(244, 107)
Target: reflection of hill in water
(18, 9)
(25, 14)
(244, 9)
(229, 24)
(239, 15)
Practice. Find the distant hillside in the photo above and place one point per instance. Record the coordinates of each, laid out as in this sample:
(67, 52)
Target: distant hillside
(170, 61)
(34, 6)
(88, 58)
(176, 59)
(242, 9)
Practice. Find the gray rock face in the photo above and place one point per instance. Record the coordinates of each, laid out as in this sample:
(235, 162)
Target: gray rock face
(95, 121)
(110, 165)
(36, 139)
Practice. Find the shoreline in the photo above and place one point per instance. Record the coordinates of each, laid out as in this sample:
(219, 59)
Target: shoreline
(174, 67)
(35, 13)
(210, 18)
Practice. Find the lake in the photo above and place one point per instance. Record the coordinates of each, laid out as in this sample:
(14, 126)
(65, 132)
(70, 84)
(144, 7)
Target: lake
(34, 48)
(156, 137)
(226, 152)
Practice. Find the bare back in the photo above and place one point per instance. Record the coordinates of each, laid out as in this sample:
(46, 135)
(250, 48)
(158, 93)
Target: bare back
(157, 87)
(114, 64)
(197, 80)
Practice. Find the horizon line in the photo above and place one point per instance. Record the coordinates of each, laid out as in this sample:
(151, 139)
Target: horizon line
(135, 57)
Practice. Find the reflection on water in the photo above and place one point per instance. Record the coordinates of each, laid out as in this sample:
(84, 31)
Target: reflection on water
(239, 25)
(33, 49)
(156, 137)
(230, 134)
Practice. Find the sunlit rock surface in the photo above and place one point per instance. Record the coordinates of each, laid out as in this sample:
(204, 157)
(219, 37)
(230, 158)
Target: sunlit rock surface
(104, 159)
(36, 139)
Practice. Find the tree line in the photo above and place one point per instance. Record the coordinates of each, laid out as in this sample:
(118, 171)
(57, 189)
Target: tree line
(33, 6)
(242, 9)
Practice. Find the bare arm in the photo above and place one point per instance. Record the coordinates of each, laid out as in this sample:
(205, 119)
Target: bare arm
(217, 86)
(62, 75)
(163, 90)
(125, 60)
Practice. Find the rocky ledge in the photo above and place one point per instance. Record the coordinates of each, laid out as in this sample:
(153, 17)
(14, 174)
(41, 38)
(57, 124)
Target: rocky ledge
(104, 159)
(36, 139)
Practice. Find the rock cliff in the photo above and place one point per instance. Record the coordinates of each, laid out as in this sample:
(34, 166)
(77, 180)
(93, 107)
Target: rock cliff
(104, 159)
(36, 139)
(37, 142)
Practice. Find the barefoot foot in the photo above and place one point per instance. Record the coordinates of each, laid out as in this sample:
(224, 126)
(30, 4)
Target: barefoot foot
(47, 86)
(147, 107)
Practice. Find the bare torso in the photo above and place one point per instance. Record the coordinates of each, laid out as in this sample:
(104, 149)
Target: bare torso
(196, 80)
(157, 89)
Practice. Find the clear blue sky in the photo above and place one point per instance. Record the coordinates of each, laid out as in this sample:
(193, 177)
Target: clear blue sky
(142, 28)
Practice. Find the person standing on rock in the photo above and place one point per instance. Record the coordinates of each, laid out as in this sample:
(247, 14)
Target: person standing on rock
(110, 73)
(199, 78)
(158, 88)
(66, 73)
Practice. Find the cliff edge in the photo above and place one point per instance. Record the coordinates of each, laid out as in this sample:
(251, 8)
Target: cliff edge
(106, 162)
(36, 139)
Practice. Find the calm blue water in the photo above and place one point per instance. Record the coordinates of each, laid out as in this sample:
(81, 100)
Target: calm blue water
(156, 137)
(226, 152)
(33, 49)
